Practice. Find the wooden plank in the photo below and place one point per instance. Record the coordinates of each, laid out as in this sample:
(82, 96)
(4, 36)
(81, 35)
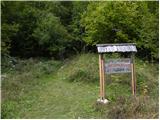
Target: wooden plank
(117, 44)
(118, 65)
(132, 79)
(100, 74)
(124, 48)
(133, 75)
(103, 79)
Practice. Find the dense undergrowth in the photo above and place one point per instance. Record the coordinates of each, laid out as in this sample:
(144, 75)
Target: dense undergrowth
(24, 83)
(20, 77)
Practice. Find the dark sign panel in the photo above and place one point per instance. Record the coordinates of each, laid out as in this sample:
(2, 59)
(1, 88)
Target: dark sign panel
(118, 66)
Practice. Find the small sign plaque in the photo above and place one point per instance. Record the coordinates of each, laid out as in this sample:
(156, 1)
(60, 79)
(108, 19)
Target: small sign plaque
(118, 65)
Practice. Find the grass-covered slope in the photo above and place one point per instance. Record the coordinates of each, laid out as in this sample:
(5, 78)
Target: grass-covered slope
(52, 89)
(82, 68)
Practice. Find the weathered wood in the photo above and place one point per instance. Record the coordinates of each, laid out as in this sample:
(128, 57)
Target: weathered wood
(133, 75)
(103, 78)
(132, 79)
(123, 47)
(116, 44)
(127, 66)
(100, 74)
(118, 66)
(106, 49)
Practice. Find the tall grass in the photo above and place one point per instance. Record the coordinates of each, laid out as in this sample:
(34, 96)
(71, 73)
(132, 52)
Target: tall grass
(82, 68)
(26, 78)
(21, 78)
(129, 107)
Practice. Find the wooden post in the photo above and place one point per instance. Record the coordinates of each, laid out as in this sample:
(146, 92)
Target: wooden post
(133, 75)
(102, 76)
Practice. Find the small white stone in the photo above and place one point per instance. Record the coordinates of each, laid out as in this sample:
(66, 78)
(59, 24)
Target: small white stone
(105, 101)
(98, 100)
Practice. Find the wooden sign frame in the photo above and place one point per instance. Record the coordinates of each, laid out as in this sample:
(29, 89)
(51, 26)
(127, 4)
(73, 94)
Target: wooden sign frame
(102, 48)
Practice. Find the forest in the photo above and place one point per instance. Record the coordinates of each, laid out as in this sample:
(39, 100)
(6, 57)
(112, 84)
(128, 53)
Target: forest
(61, 29)
(49, 59)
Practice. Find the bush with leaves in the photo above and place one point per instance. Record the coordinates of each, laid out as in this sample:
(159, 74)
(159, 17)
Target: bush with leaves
(118, 22)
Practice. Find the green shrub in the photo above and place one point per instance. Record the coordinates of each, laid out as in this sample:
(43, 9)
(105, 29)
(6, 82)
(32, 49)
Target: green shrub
(8, 110)
(81, 68)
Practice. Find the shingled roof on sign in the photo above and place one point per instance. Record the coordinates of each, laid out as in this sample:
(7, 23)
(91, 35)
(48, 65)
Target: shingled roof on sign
(122, 47)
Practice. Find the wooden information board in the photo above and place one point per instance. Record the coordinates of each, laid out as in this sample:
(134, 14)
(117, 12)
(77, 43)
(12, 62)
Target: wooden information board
(118, 66)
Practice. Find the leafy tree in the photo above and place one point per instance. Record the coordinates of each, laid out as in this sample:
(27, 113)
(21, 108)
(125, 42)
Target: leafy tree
(148, 32)
(40, 28)
(78, 8)
(51, 34)
(9, 29)
(118, 22)
(59, 28)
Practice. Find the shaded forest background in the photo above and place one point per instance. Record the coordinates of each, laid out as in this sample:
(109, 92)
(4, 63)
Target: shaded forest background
(61, 29)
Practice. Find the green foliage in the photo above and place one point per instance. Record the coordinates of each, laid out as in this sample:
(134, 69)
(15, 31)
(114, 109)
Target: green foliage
(50, 33)
(105, 25)
(61, 28)
(75, 27)
(22, 77)
(118, 22)
(83, 68)
(145, 78)
(9, 109)
(77, 11)
(41, 88)
(8, 31)
(40, 30)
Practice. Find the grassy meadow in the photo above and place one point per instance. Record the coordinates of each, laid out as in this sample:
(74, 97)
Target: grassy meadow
(46, 88)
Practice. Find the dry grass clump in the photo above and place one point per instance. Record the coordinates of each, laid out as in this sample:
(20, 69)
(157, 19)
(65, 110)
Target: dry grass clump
(129, 107)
